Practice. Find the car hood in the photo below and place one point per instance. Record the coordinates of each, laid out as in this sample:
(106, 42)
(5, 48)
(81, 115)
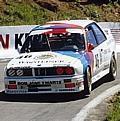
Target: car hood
(46, 59)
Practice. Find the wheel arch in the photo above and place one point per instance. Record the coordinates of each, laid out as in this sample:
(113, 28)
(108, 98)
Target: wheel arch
(113, 55)
(88, 66)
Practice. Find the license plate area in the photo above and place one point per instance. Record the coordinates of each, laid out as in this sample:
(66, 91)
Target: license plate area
(40, 84)
(22, 85)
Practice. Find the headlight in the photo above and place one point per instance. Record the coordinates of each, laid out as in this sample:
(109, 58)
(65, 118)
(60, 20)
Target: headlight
(19, 72)
(65, 70)
(14, 72)
(10, 72)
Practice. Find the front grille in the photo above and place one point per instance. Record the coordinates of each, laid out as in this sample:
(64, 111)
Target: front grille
(45, 71)
(27, 72)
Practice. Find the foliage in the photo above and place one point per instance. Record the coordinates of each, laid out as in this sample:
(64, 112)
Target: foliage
(114, 109)
(30, 12)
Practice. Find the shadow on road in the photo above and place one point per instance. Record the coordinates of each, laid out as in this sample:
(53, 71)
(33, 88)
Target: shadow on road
(41, 98)
(103, 80)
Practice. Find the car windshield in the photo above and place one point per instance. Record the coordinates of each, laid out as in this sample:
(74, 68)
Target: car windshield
(53, 41)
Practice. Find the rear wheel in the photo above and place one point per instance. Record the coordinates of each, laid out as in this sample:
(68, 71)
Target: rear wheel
(87, 82)
(113, 69)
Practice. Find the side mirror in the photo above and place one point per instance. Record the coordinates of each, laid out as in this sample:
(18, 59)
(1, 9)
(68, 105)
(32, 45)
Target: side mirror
(90, 47)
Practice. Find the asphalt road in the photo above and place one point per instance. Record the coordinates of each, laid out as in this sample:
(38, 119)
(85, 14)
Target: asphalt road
(47, 107)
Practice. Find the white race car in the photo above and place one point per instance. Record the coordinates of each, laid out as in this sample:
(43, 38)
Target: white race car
(60, 57)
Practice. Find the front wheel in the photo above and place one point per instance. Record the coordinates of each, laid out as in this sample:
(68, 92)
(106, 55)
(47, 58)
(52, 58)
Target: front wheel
(113, 69)
(87, 82)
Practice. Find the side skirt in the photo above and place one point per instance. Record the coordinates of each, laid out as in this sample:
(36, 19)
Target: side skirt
(100, 75)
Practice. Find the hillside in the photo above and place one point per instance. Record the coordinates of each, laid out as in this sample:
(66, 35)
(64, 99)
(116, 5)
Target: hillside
(21, 12)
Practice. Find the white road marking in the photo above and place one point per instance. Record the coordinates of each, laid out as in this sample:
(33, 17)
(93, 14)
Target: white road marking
(81, 116)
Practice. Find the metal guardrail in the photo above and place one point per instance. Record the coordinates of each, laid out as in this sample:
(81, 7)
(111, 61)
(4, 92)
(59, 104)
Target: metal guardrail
(116, 35)
(115, 29)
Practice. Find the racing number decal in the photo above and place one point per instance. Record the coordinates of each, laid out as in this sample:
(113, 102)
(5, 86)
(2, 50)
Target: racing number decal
(101, 57)
(97, 60)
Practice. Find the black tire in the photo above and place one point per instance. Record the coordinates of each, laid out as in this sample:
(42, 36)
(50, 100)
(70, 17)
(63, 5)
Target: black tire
(87, 82)
(113, 69)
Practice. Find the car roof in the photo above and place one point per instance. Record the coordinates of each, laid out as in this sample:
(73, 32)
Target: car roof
(65, 24)
(82, 23)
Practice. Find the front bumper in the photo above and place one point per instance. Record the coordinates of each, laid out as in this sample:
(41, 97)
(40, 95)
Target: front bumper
(43, 85)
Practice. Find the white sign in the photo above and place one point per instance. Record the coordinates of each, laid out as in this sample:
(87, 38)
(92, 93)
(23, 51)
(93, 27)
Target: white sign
(11, 37)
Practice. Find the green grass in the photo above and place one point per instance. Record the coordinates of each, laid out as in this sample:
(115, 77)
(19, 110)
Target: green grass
(114, 109)
(25, 12)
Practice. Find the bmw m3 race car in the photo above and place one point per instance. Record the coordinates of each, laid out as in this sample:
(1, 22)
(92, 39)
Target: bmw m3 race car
(60, 57)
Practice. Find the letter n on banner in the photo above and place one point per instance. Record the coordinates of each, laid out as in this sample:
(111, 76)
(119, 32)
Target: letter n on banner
(5, 43)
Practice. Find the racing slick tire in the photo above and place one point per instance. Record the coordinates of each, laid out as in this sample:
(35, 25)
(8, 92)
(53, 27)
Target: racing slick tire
(113, 69)
(87, 82)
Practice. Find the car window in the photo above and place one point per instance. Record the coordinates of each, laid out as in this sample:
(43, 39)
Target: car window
(98, 33)
(91, 38)
(78, 40)
(54, 42)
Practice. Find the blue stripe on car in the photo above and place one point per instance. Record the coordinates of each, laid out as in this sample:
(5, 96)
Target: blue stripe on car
(82, 56)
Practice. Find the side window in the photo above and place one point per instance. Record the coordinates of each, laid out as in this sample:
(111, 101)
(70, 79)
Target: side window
(91, 38)
(98, 33)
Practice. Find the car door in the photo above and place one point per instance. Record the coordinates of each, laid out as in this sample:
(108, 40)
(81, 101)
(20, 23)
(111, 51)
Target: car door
(92, 40)
(94, 37)
(103, 47)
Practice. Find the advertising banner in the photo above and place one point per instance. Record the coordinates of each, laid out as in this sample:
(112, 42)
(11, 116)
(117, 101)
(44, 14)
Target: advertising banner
(12, 37)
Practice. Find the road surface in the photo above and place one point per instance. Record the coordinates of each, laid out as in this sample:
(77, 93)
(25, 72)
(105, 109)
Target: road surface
(47, 107)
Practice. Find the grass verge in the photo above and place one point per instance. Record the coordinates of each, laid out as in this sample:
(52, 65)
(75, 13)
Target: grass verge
(113, 113)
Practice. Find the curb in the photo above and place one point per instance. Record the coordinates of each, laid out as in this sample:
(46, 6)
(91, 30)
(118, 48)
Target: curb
(84, 112)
